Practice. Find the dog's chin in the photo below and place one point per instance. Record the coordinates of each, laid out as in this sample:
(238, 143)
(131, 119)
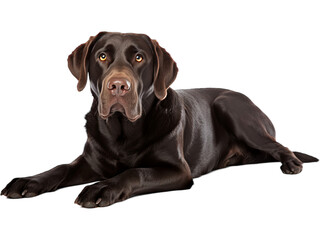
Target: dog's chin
(118, 110)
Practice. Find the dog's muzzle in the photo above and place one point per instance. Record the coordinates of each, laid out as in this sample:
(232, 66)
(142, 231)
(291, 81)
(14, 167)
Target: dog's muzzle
(119, 94)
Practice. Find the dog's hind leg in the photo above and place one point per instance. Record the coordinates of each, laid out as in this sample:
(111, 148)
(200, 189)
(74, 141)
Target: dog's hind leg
(251, 127)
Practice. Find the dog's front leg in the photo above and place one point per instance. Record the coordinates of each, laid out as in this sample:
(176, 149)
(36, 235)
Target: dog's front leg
(134, 182)
(77, 172)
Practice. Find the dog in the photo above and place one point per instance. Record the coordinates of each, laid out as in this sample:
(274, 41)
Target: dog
(144, 137)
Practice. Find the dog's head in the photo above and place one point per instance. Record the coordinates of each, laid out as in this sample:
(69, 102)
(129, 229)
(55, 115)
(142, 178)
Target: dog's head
(124, 69)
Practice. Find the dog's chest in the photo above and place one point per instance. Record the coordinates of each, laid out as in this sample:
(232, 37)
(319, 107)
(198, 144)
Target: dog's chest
(125, 161)
(114, 159)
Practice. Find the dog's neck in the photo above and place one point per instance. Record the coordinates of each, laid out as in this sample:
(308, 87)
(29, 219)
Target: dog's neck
(118, 128)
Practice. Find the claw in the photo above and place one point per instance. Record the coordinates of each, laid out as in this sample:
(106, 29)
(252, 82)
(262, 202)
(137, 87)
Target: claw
(98, 201)
(89, 205)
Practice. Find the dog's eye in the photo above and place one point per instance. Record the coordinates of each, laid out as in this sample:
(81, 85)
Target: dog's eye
(103, 57)
(139, 58)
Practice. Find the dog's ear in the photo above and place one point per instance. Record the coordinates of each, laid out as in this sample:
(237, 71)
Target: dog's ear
(78, 61)
(165, 71)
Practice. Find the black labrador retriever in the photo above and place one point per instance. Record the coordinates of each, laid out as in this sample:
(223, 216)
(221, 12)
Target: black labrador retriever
(144, 137)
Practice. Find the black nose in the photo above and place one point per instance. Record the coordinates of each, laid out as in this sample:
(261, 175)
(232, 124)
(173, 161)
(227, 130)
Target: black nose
(118, 86)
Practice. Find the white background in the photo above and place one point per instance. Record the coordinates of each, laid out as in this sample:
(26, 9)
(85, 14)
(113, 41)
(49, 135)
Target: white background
(268, 50)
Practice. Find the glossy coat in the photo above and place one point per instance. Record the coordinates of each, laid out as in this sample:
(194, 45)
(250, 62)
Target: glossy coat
(144, 137)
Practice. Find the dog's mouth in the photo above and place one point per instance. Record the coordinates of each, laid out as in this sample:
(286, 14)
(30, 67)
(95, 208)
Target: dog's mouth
(118, 108)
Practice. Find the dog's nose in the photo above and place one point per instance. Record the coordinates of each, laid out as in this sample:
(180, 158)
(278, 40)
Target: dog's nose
(118, 86)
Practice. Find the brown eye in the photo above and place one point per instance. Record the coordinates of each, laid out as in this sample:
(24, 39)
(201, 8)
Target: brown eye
(103, 57)
(139, 58)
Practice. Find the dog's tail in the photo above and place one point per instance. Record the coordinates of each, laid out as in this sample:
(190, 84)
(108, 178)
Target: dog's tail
(305, 158)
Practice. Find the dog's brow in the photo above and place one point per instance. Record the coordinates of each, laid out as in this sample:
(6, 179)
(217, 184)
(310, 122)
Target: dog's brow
(109, 48)
(131, 50)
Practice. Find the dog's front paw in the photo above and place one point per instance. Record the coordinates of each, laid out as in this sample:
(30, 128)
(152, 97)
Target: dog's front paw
(292, 166)
(22, 187)
(101, 194)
